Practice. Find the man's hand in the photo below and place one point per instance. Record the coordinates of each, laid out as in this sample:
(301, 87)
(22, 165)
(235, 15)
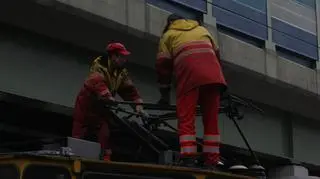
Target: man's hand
(139, 110)
(110, 101)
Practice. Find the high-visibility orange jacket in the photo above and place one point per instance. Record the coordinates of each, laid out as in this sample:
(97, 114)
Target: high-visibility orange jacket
(188, 50)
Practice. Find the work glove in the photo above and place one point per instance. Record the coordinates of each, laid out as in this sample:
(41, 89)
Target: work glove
(110, 101)
(143, 113)
(165, 96)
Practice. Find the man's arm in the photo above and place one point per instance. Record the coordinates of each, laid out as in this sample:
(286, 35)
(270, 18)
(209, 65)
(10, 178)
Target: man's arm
(164, 69)
(127, 91)
(96, 84)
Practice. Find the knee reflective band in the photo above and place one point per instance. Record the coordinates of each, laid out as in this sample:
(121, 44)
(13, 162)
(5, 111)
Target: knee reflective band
(187, 138)
(211, 143)
(188, 144)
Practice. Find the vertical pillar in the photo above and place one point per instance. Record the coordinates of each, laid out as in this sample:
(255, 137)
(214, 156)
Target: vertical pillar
(210, 21)
(287, 126)
(209, 18)
(318, 38)
(269, 44)
(271, 60)
(318, 27)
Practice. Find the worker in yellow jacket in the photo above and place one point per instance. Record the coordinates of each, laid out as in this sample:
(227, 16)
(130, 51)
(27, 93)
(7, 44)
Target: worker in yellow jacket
(187, 50)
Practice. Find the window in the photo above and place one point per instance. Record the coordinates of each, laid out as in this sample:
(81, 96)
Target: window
(308, 3)
(9, 172)
(46, 172)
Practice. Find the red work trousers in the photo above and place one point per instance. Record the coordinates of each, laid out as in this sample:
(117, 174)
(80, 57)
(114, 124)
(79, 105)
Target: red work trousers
(208, 96)
(96, 130)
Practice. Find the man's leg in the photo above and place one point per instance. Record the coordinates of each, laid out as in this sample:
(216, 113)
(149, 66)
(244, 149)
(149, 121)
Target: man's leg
(103, 139)
(186, 108)
(78, 130)
(210, 103)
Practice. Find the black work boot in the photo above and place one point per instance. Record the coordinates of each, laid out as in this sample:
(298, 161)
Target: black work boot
(213, 166)
(188, 162)
(210, 163)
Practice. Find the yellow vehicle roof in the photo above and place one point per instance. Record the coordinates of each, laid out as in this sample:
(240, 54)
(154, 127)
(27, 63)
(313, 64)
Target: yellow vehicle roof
(125, 166)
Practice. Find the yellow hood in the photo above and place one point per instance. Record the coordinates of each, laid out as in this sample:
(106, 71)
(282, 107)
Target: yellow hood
(183, 25)
(113, 78)
(97, 67)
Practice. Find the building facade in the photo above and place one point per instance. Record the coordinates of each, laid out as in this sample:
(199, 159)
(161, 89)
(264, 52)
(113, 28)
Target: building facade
(270, 52)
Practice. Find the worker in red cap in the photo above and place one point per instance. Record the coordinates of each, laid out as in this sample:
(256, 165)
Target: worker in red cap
(188, 50)
(107, 78)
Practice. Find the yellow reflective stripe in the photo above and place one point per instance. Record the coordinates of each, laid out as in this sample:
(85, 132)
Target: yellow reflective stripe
(185, 138)
(108, 152)
(196, 42)
(189, 149)
(211, 149)
(213, 138)
(192, 52)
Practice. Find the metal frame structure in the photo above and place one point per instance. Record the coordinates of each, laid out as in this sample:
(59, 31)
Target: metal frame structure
(229, 106)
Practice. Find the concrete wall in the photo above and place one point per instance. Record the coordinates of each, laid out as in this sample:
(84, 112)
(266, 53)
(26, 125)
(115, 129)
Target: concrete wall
(267, 63)
(305, 136)
(45, 72)
(257, 129)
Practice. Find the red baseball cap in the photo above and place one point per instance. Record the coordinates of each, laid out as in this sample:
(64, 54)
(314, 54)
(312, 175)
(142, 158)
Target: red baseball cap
(117, 47)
